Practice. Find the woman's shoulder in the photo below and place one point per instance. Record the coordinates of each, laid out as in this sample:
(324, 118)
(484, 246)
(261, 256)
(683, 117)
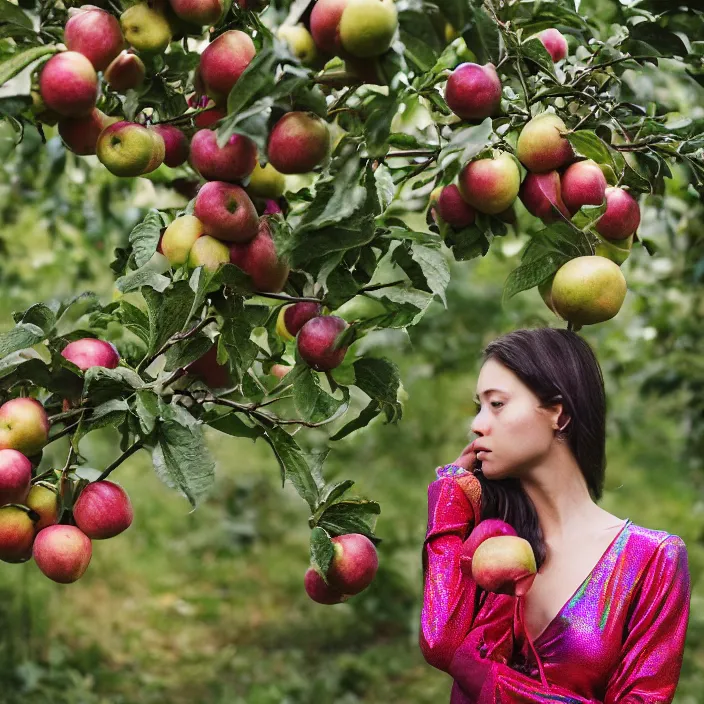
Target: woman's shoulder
(649, 546)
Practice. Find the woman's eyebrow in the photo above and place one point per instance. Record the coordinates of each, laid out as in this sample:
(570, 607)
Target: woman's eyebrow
(488, 391)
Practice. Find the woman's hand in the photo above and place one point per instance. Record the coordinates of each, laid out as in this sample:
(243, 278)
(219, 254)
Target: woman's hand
(467, 458)
(470, 484)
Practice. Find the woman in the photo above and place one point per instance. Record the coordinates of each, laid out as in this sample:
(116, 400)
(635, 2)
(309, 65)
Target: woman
(606, 617)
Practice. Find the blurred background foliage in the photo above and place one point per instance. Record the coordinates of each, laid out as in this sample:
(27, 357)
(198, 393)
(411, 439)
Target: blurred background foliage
(209, 606)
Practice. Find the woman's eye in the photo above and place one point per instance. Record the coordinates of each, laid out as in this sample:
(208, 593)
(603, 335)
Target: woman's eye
(478, 406)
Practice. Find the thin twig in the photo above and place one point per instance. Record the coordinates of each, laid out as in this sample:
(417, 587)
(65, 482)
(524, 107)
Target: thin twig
(263, 416)
(176, 337)
(127, 453)
(64, 431)
(59, 417)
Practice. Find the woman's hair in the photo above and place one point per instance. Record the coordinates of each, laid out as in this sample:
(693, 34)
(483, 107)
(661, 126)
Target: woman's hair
(558, 366)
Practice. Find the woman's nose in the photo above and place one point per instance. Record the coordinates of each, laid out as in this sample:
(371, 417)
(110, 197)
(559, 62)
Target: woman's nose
(479, 424)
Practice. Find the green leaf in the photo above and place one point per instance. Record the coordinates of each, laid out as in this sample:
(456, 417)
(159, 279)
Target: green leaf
(351, 516)
(14, 105)
(380, 380)
(482, 35)
(168, 312)
(135, 320)
(531, 274)
(434, 267)
(38, 314)
(256, 79)
(142, 277)
(101, 384)
(313, 403)
(232, 424)
(321, 551)
(466, 143)
(144, 237)
(292, 462)
(110, 413)
(377, 126)
(147, 408)
(371, 411)
(181, 459)
(12, 66)
(21, 336)
(534, 50)
(9, 12)
(589, 145)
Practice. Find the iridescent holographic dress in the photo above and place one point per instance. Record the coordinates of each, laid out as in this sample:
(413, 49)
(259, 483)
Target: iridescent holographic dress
(618, 640)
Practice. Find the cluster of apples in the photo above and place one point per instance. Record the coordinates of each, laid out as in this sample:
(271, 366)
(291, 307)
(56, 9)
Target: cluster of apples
(586, 290)
(30, 509)
(96, 42)
(497, 559)
(352, 569)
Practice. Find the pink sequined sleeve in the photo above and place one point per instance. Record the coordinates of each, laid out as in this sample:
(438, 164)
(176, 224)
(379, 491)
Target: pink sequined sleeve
(448, 594)
(655, 636)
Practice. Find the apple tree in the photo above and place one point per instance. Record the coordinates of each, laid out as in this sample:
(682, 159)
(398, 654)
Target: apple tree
(304, 138)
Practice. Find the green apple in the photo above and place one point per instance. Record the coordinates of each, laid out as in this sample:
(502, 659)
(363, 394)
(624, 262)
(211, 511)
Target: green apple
(209, 253)
(129, 149)
(179, 238)
(146, 29)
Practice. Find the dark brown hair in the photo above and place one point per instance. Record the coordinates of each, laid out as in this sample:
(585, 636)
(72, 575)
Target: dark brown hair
(558, 366)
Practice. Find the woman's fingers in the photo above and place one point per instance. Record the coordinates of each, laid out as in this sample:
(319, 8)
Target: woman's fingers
(467, 457)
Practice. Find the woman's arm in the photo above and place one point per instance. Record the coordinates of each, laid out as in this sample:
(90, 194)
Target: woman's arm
(449, 595)
(651, 659)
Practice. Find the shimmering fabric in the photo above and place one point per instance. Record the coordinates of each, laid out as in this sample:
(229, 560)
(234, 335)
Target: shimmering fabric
(618, 640)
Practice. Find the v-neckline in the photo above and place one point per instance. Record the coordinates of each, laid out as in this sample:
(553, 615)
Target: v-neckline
(576, 591)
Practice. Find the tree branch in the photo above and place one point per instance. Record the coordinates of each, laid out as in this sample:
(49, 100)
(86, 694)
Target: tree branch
(176, 337)
(127, 453)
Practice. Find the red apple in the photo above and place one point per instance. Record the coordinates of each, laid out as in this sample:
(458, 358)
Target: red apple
(80, 134)
(89, 352)
(539, 192)
(206, 368)
(226, 212)
(15, 477)
(233, 162)
(68, 84)
(94, 33)
(296, 315)
(175, 144)
(504, 564)
(103, 510)
(453, 209)
(316, 342)
(298, 143)
(583, 183)
(125, 71)
(354, 563)
(223, 62)
(62, 553)
(259, 259)
(488, 528)
(16, 534)
(318, 591)
(325, 25)
(473, 92)
(554, 42)
(622, 215)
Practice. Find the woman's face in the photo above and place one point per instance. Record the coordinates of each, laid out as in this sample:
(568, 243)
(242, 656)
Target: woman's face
(510, 423)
